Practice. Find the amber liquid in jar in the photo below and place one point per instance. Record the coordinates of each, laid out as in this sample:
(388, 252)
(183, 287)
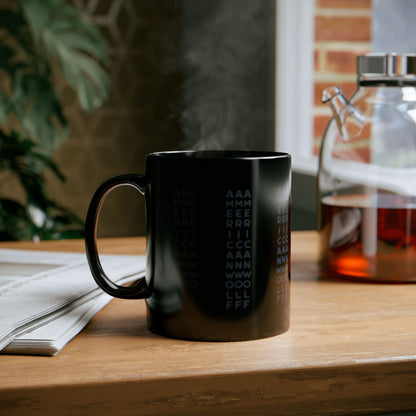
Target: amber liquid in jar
(369, 237)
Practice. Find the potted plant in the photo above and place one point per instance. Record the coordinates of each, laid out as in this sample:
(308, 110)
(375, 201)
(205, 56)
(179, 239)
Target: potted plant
(37, 39)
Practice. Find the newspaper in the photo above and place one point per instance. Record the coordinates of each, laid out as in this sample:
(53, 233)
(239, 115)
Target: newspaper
(46, 298)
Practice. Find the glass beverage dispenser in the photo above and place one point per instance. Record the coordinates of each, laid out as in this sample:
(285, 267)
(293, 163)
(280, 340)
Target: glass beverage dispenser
(367, 174)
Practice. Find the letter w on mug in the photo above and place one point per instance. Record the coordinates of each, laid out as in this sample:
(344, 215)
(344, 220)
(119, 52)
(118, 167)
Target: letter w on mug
(218, 244)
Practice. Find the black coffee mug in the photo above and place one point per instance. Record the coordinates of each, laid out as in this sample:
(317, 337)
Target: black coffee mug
(218, 243)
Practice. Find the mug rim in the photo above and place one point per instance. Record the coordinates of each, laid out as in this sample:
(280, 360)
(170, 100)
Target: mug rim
(219, 154)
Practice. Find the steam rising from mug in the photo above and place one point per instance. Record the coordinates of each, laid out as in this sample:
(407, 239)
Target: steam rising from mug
(227, 95)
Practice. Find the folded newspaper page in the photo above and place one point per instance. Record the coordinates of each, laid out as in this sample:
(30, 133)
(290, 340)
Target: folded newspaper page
(46, 298)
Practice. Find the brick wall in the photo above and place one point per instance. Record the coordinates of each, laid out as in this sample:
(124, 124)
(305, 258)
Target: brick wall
(342, 32)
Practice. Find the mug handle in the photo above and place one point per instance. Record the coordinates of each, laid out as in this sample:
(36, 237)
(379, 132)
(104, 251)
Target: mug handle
(140, 289)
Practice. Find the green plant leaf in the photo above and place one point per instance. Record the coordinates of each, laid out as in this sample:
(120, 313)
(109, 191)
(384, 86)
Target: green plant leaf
(6, 55)
(75, 43)
(17, 39)
(87, 78)
(14, 223)
(4, 107)
(12, 22)
(44, 118)
(34, 34)
(40, 217)
(38, 109)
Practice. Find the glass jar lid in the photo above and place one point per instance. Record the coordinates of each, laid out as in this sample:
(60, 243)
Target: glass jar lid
(387, 68)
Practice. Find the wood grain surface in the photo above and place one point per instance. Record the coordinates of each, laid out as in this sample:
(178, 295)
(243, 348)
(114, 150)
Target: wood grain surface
(351, 349)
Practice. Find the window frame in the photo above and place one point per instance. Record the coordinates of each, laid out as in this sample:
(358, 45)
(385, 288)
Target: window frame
(294, 83)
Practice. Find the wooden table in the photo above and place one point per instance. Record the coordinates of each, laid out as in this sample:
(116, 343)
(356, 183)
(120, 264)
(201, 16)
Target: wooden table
(351, 349)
